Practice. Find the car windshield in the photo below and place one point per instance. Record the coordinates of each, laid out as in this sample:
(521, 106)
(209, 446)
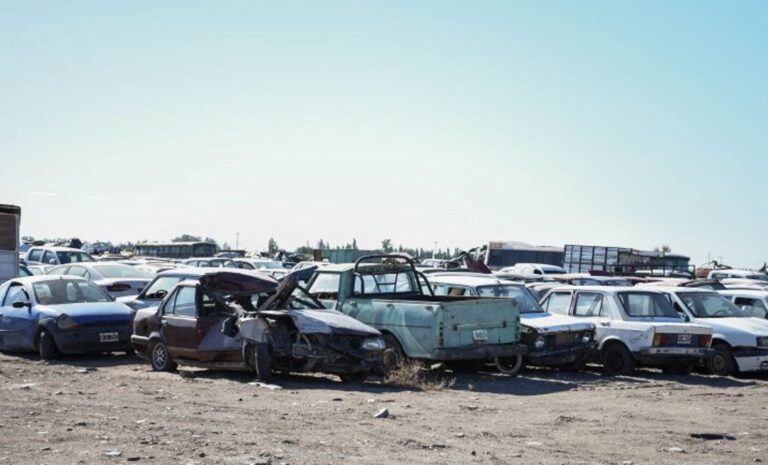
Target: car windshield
(758, 277)
(647, 305)
(525, 301)
(710, 305)
(268, 265)
(64, 291)
(121, 271)
(73, 257)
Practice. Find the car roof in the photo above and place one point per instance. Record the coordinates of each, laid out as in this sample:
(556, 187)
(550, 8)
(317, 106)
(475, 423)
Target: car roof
(468, 279)
(57, 248)
(184, 272)
(679, 289)
(609, 289)
(749, 292)
(47, 277)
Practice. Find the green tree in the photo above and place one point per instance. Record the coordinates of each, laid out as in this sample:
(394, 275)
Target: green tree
(187, 238)
(272, 247)
(354, 244)
(386, 245)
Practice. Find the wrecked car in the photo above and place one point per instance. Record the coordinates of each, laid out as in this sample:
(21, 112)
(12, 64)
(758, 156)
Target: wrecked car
(552, 340)
(245, 320)
(388, 293)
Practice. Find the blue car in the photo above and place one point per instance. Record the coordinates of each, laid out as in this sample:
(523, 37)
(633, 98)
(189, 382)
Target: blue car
(61, 314)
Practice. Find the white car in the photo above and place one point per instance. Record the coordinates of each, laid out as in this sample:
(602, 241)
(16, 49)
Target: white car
(533, 268)
(633, 326)
(552, 340)
(742, 274)
(117, 279)
(55, 256)
(752, 302)
(740, 341)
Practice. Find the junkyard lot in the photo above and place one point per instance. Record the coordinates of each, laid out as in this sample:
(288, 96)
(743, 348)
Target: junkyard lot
(61, 414)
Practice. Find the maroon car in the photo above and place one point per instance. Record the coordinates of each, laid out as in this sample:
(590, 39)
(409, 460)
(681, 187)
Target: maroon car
(246, 320)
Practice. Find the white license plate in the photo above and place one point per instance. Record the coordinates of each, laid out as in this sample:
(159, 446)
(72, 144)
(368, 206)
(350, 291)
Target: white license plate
(108, 337)
(480, 334)
(684, 339)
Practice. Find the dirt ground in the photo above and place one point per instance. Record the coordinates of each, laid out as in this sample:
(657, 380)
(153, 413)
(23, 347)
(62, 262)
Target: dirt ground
(114, 409)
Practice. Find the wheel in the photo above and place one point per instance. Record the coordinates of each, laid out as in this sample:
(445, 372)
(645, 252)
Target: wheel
(262, 362)
(393, 356)
(509, 365)
(678, 369)
(354, 378)
(47, 346)
(617, 360)
(721, 363)
(466, 366)
(160, 358)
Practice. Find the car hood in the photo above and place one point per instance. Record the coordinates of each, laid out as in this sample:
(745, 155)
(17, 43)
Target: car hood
(753, 326)
(553, 323)
(312, 321)
(235, 282)
(91, 312)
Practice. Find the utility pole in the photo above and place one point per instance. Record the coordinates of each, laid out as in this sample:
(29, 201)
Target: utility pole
(237, 241)
(434, 249)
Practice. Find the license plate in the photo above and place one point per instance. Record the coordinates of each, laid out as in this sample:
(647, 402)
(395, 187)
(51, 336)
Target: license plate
(684, 339)
(108, 337)
(480, 335)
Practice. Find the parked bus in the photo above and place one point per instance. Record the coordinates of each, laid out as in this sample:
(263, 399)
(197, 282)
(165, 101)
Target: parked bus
(624, 260)
(500, 254)
(179, 250)
(10, 217)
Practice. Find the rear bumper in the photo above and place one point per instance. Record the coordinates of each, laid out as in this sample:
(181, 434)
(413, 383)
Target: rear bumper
(478, 352)
(87, 340)
(667, 355)
(560, 356)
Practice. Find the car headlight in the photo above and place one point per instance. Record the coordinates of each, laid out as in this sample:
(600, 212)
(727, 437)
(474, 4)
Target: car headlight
(66, 322)
(586, 336)
(762, 341)
(374, 343)
(539, 342)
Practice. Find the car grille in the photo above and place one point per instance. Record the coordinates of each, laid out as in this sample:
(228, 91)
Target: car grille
(564, 339)
(107, 324)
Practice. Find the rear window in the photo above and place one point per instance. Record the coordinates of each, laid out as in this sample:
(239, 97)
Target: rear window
(389, 283)
(647, 305)
(121, 271)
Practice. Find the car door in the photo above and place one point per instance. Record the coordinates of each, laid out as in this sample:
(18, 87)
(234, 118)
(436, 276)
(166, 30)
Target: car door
(15, 322)
(178, 324)
(214, 345)
(591, 307)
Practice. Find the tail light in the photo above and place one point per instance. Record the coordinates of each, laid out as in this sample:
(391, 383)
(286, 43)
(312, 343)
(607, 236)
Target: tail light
(705, 339)
(118, 287)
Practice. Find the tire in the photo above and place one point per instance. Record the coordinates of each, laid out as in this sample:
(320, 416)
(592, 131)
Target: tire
(509, 365)
(393, 356)
(721, 363)
(262, 362)
(617, 360)
(160, 359)
(678, 369)
(46, 346)
(354, 378)
(466, 366)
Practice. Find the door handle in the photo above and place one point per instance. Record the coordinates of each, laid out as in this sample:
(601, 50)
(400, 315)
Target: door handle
(605, 323)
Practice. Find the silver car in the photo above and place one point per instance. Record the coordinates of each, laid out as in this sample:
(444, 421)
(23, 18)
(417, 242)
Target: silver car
(116, 278)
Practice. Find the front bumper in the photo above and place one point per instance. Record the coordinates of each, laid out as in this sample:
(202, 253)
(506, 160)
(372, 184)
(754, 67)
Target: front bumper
(478, 352)
(560, 356)
(668, 355)
(751, 360)
(140, 345)
(88, 340)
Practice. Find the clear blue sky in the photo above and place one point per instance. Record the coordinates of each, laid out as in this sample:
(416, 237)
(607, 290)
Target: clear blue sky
(615, 123)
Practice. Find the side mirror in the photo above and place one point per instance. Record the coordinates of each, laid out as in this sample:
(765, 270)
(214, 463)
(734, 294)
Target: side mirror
(685, 317)
(20, 304)
(52, 261)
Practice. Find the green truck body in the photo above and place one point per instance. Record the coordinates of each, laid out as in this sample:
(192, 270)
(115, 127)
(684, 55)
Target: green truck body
(389, 297)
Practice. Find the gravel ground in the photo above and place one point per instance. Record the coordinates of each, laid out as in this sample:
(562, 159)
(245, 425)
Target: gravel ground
(114, 409)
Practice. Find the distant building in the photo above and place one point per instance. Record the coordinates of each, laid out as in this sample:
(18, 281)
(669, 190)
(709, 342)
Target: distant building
(500, 254)
(622, 260)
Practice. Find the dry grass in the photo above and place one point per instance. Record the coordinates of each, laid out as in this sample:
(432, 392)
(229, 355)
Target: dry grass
(420, 377)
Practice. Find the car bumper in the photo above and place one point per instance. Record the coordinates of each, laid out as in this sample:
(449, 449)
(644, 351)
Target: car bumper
(560, 356)
(89, 340)
(478, 352)
(667, 355)
(140, 345)
(752, 360)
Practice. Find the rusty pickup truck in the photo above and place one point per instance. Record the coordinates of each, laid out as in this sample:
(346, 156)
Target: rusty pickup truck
(385, 292)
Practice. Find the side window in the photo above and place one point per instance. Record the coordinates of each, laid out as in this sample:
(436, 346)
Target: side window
(16, 293)
(36, 255)
(49, 256)
(588, 304)
(79, 271)
(439, 289)
(184, 304)
(558, 303)
(161, 287)
(754, 307)
(457, 291)
(246, 266)
(718, 275)
(59, 270)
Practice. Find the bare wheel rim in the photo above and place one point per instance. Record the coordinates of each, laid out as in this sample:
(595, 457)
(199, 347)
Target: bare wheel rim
(509, 365)
(159, 355)
(391, 358)
(718, 362)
